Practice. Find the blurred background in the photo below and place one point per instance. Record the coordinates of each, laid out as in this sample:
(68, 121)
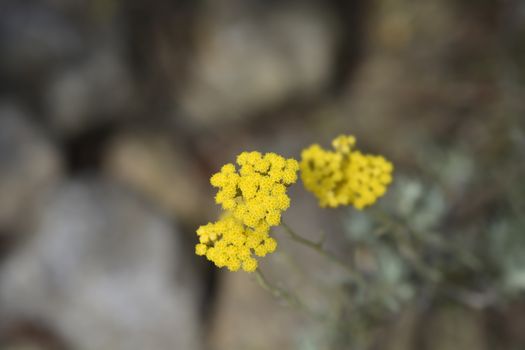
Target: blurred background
(114, 114)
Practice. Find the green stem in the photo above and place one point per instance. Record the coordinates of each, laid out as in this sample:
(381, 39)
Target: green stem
(318, 247)
(280, 293)
(277, 292)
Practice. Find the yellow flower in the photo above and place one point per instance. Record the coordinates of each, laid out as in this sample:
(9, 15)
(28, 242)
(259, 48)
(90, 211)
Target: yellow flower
(257, 193)
(253, 198)
(344, 176)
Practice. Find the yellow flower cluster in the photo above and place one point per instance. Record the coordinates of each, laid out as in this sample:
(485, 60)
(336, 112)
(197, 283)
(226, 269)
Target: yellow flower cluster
(254, 198)
(344, 176)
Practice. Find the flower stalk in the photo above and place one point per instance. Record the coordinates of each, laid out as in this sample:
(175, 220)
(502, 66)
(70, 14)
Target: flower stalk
(318, 247)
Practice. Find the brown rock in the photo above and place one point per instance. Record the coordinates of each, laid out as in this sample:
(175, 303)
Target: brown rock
(154, 165)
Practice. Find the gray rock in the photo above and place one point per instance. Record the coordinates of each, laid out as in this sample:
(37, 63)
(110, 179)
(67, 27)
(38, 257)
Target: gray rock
(104, 272)
(29, 166)
(251, 58)
(34, 39)
(97, 90)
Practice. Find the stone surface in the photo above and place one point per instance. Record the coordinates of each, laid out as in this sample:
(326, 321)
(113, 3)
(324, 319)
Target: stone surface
(248, 317)
(252, 57)
(416, 82)
(95, 91)
(156, 166)
(29, 166)
(104, 272)
(34, 39)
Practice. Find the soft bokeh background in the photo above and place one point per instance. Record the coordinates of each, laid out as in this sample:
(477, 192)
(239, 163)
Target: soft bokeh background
(113, 115)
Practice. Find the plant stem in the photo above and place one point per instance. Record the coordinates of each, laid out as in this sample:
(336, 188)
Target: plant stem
(280, 293)
(318, 247)
(277, 292)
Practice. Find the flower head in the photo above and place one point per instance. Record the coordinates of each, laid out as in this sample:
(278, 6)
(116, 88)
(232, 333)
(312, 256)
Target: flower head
(344, 176)
(256, 194)
(253, 197)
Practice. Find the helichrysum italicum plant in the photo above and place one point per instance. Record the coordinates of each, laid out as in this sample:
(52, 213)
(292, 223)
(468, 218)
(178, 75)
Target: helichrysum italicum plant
(344, 176)
(252, 194)
(253, 197)
(393, 250)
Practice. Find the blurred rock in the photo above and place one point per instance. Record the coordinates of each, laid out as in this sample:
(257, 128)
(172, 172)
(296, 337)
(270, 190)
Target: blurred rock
(248, 317)
(104, 272)
(29, 165)
(34, 39)
(417, 82)
(96, 91)
(29, 335)
(253, 56)
(154, 165)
